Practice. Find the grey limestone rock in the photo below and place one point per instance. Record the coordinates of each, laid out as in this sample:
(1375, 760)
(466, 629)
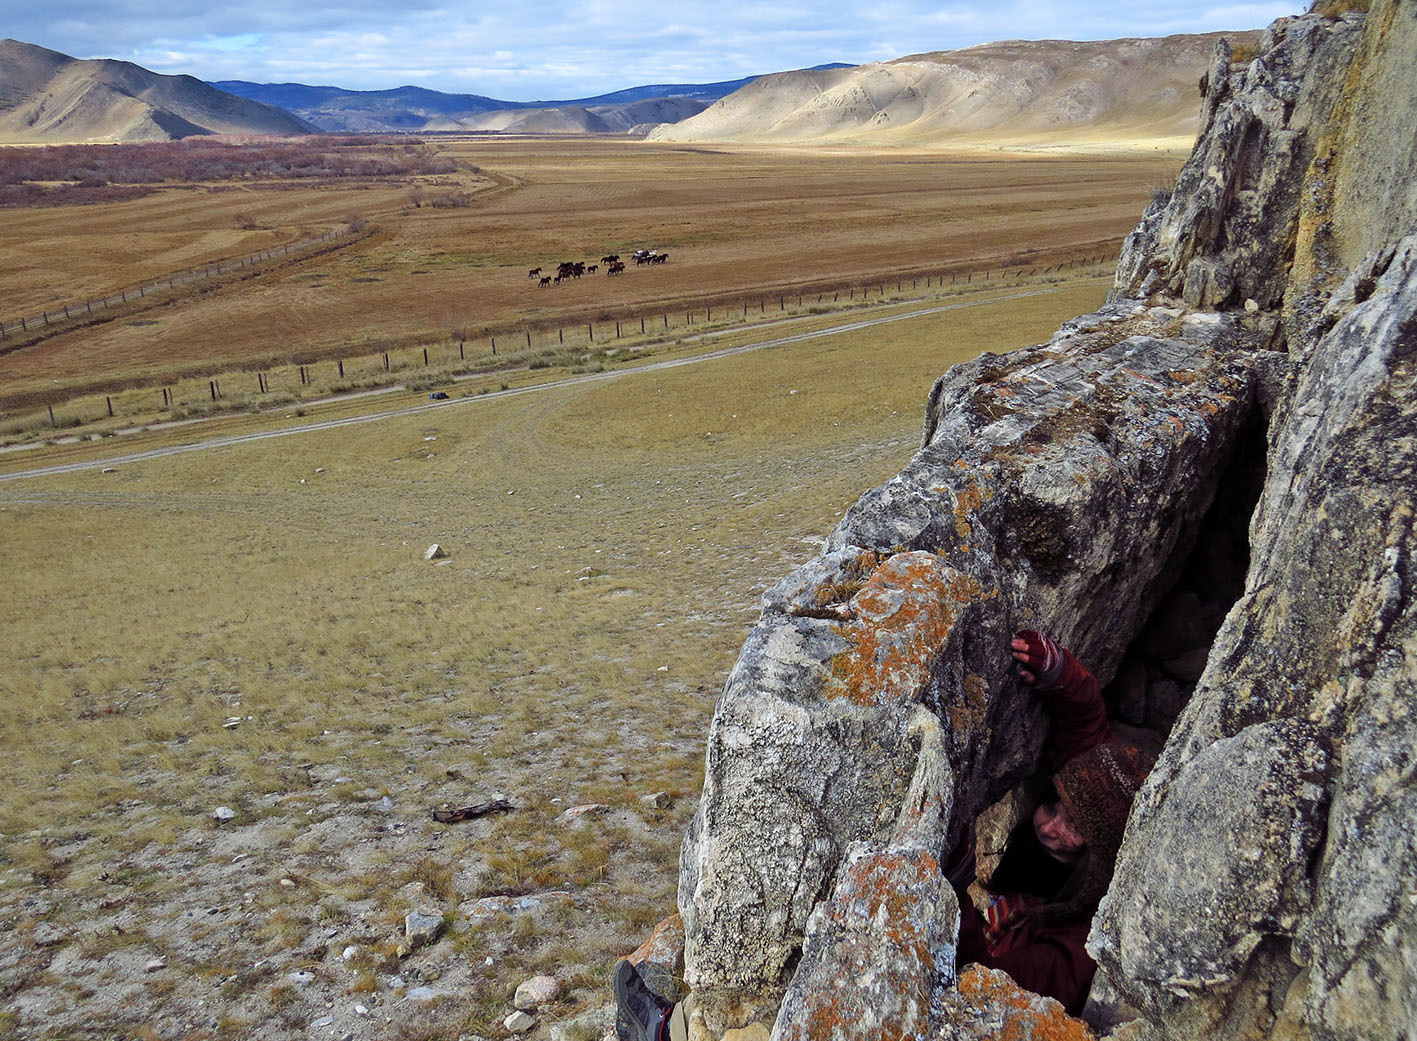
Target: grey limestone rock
(1265, 886)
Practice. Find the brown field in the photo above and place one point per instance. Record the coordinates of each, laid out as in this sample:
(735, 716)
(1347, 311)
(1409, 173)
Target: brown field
(735, 221)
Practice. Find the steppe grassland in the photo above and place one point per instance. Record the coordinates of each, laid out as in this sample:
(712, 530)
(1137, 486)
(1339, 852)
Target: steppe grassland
(608, 545)
(737, 221)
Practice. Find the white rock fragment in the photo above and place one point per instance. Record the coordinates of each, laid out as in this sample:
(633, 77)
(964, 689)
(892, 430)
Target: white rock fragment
(585, 810)
(535, 992)
(224, 813)
(519, 1022)
(434, 552)
(154, 965)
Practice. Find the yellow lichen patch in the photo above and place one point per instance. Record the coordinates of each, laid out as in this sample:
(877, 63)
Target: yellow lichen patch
(1184, 376)
(1026, 1016)
(967, 501)
(901, 619)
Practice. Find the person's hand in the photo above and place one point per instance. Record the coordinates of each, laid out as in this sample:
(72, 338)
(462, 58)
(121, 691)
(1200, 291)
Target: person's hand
(1040, 658)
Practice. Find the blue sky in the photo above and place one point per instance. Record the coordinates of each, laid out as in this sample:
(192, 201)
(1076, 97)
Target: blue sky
(554, 49)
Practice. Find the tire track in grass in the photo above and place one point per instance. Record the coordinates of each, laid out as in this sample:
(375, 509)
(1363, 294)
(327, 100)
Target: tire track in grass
(569, 381)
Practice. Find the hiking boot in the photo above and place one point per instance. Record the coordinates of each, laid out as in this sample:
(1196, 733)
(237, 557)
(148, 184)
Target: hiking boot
(640, 1008)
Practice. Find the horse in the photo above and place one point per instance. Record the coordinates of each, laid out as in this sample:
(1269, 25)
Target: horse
(545, 281)
(533, 272)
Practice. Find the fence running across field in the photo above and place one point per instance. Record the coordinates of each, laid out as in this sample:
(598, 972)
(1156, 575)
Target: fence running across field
(535, 345)
(62, 312)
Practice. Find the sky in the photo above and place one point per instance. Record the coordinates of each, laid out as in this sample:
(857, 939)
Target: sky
(554, 50)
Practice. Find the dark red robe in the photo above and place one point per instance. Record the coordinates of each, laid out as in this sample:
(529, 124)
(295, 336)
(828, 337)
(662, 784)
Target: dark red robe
(1048, 958)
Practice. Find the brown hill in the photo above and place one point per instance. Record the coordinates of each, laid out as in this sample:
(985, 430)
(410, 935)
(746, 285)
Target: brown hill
(1017, 93)
(51, 98)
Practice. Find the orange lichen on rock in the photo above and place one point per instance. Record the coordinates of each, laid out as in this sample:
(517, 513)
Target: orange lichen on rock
(967, 501)
(665, 945)
(901, 619)
(1004, 1011)
(877, 944)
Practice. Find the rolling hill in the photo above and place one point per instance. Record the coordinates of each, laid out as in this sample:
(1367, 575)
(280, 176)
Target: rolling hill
(1034, 94)
(411, 109)
(48, 97)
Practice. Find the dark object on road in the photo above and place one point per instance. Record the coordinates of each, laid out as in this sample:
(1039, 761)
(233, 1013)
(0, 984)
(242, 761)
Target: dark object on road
(468, 813)
(438, 395)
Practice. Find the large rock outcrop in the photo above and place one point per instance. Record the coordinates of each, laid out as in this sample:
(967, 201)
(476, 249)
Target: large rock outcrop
(1265, 884)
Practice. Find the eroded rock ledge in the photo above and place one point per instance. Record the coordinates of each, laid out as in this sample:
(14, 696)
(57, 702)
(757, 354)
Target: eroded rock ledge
(1266, 881)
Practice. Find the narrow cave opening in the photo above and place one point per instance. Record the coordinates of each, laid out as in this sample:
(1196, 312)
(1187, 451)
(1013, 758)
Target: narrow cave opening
(1165, 659)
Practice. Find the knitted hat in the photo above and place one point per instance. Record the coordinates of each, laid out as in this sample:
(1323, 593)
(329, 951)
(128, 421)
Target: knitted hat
(1097, 788)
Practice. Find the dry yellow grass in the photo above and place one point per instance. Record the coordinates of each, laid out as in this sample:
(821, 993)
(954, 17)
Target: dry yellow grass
(736, 221)
(608, 545)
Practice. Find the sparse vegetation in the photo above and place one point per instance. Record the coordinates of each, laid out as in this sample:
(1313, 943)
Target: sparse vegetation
(360, 671)
(1334, 9)
(255, 628)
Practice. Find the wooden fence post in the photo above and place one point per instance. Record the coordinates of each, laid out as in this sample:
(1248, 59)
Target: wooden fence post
(590, 331)
(109, 400)
(425, 357)
(51, 417)
(340, 363)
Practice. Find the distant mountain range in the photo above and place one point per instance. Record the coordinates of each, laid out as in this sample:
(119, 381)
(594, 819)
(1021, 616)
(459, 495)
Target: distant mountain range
(1018, 93)
(50, 97)
(416, 109)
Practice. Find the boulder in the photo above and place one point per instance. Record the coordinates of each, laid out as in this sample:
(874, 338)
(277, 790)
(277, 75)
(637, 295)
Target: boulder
(1056, 489)
(1264, 887)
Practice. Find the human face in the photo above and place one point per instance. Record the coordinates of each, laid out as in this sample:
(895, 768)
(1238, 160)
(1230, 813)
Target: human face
(1057, 833)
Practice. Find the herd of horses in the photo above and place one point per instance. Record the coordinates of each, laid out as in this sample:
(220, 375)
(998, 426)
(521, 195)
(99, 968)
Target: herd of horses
(613, 266)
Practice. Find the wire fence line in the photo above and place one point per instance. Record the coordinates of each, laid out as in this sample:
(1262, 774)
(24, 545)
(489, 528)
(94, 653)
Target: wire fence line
(428, 364)
(73, 309)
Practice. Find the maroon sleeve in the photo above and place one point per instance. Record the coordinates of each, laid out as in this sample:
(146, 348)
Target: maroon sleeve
(1074, 705)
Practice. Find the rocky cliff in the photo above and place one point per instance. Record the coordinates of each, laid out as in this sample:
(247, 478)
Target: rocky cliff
(1205, 489)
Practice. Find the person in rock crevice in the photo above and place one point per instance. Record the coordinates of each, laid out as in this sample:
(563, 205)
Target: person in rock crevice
(1056, 864)
(1058, 860)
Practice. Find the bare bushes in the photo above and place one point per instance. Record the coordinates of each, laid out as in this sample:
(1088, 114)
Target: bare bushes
(95, 171)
